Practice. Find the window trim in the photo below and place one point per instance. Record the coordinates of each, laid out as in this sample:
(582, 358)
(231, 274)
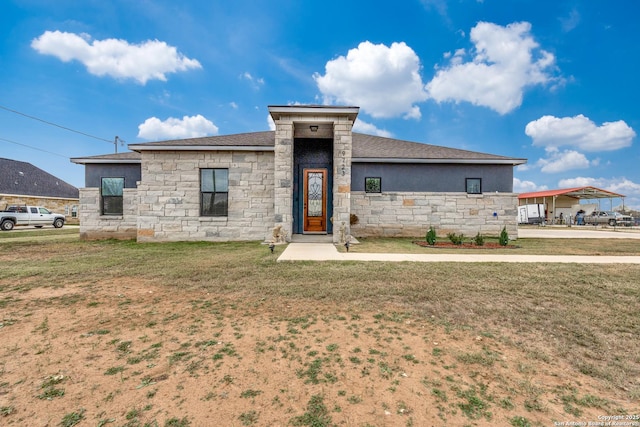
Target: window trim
(367, 178)
(214, 193)
(468, 181)
(102, 212)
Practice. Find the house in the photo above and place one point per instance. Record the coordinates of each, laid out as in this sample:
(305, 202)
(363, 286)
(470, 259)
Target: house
(21, 183)
(312, 175)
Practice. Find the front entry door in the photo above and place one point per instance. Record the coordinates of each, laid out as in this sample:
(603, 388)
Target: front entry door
(315, 201)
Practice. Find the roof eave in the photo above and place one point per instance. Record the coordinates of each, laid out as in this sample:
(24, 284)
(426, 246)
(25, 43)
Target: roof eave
(513, 162)
(150, 147)
(88, 160)
(276, 111)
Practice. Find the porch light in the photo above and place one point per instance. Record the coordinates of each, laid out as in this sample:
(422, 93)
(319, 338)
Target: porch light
(313, 128)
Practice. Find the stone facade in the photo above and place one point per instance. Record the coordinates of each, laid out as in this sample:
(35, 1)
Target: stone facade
(411, 214)
(342, 177)
(169, 196)
(96, 226)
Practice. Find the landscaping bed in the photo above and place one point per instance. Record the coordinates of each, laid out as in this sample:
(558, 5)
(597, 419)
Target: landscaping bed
(466, 245)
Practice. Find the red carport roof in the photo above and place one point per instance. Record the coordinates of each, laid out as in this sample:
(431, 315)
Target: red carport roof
(578, 193)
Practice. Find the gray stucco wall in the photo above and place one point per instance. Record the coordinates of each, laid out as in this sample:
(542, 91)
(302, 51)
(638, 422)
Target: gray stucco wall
(433, 177)
(93, 174)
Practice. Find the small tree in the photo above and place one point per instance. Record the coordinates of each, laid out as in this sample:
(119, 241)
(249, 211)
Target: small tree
(479, 239)
(431, 236)
(504, 237)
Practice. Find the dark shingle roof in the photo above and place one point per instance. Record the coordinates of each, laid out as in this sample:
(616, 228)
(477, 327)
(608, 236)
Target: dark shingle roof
(376, 147)
(126, 157)
(252, 139)
(365, 148)
(25, 179)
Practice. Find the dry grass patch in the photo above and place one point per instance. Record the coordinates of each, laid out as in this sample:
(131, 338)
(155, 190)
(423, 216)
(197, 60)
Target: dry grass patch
(195, 333)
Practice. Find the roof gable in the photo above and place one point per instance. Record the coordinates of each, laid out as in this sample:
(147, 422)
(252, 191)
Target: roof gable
(25, 179)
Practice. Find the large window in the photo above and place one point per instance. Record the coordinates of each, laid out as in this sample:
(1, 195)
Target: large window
(474, 185)
(214, 192)
(111, 195)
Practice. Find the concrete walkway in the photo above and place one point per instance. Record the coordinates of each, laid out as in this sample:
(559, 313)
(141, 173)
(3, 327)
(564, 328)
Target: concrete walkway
(328, 252)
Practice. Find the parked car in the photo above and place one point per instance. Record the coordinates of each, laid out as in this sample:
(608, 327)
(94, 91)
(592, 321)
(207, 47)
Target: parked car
(36, 216)
(609, 217)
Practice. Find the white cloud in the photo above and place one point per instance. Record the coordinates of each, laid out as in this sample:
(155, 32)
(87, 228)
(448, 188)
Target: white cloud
(150, 60)
(172, 128)
(580, 132)
(563, 161)
(527, 186)
(270, 122)
(507, 60)
(570, 22)
(256, 83)
(370, 129)
(383, 81)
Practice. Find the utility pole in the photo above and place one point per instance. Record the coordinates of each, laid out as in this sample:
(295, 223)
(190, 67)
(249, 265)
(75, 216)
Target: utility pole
(115, 142)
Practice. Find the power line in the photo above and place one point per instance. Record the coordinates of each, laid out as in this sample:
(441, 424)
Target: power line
(34, 148)
(57, 125)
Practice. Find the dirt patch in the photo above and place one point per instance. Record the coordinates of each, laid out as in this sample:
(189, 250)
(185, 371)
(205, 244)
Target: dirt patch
(127, 352)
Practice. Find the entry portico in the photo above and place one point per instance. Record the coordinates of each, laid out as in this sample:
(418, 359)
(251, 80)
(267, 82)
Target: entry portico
(312, 168)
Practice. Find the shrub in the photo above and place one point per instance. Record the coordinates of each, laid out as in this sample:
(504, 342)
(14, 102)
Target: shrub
(353, 219)
(479, 239)
(456, 239)
(504, 237)
(431, 236)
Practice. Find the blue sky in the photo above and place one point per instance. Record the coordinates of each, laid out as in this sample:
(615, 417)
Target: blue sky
(555, 82)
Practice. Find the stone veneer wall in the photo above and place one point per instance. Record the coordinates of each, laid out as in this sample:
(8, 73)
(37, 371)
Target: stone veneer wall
(169, 196)
(411, 214)
(96, 226)
(342, 149)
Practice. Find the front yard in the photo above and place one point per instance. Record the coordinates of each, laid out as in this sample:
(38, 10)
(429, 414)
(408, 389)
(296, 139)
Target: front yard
(125, 334)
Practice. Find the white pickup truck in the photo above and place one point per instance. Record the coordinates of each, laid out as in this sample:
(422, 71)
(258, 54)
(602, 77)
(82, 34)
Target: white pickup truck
(35, 216)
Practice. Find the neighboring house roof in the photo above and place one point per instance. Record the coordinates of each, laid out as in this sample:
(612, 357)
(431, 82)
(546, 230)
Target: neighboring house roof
(22, 178)
(587, 192)
(366, 148)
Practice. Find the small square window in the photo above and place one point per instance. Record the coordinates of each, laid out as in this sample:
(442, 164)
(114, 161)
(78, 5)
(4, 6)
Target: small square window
(474, 185)
(373, 185)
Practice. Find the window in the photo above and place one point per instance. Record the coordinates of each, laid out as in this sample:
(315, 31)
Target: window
(111, 195)
(474, 185)
(373, 185)
(214, 192)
